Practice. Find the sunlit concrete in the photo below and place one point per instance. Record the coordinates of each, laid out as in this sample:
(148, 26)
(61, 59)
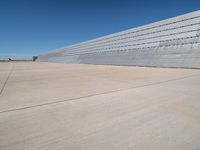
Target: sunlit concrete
(51, 106)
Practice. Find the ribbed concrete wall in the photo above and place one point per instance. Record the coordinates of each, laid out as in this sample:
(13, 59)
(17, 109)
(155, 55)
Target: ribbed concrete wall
(174, 42)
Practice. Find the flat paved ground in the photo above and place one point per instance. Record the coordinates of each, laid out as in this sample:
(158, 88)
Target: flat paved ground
(50, 106)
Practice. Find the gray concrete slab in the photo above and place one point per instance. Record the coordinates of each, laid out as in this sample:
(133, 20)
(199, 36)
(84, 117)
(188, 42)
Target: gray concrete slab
(80, 107)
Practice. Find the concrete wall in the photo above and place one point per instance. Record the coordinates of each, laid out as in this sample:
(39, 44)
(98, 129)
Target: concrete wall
(174, 42)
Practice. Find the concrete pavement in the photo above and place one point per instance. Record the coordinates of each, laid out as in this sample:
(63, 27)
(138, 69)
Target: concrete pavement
(94, 107)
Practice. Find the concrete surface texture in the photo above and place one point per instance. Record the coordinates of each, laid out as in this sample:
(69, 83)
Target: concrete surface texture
(173, 42)
(52, 106)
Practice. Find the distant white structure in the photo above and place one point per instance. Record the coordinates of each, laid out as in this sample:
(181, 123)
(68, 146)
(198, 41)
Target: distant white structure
(173, 42)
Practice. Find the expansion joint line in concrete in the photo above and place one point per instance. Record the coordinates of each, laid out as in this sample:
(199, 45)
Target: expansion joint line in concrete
(4, 84)
(92, 95)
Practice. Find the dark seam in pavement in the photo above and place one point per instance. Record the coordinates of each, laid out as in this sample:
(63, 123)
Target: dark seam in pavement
(4, 85)
(92, 95)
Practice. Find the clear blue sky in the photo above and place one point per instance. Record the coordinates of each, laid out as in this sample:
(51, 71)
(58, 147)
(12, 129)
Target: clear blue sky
(29, 27)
